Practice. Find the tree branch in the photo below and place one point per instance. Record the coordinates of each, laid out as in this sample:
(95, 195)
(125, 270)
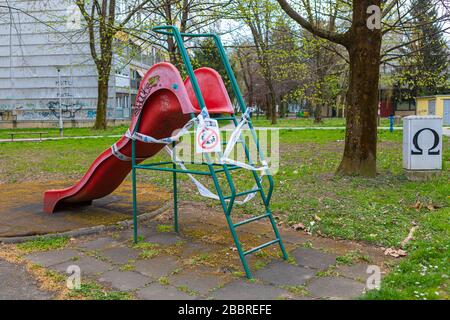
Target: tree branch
(339, 38)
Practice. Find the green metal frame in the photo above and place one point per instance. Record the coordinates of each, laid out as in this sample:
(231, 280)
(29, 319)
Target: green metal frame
(227, 201)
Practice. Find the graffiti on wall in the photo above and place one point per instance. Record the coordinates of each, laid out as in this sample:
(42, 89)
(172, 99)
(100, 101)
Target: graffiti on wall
(68, 111)
(49, 111)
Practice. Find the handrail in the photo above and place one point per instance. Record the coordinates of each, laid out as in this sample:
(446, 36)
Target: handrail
(187, 63)
(236, 90)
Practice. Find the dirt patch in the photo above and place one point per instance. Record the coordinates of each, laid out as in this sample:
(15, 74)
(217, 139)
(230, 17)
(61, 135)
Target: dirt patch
(205, 224)
(21, 209)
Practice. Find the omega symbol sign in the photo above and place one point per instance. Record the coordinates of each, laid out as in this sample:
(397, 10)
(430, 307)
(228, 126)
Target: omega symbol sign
(433, 151)
(422, 143)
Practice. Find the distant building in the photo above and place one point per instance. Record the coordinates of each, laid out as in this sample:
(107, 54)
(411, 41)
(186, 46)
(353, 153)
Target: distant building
(45, 56)
(438, 105)
(392, 102)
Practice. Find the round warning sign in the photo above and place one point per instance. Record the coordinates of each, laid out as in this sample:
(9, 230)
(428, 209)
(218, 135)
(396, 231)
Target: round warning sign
(208, 138)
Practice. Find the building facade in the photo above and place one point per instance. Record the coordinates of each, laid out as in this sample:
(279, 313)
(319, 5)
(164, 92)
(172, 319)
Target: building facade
(45, 64)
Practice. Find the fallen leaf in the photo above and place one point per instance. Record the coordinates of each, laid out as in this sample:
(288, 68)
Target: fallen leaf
(418, 205)
(395, 252)
(298, 226)
(431, 206)
(317, 218)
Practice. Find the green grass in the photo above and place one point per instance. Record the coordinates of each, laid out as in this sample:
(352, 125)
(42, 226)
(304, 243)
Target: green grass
(119, 130)
(164, 281)
(127, 267)
(43, 244)
(378, 211)
(352, 257)
(146, 245)
(68, 132)
(424, 274)
(92, 291)
(308, 122)
(149, 253)
(164, 228)
(297, 290)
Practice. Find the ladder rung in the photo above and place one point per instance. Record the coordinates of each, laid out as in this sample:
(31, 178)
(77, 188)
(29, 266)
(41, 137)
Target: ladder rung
(226, 142)
(243, 193)
(251, 220)
(224, 118)
(261, 246)
(229, 168)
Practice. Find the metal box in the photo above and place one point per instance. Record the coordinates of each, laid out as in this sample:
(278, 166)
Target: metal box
(422, 143)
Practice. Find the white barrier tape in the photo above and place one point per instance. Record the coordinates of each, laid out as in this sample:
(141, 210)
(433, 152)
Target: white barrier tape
(264, 168)
(119, 155)
(201, 118)
(235, 135)
(115, 151)
(148, 139)
(204, 191)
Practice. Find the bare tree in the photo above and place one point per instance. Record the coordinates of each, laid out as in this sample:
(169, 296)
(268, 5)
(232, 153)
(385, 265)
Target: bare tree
(103, 24)
(362, 26)
(260, 17)
(188, 15)
(363, 45)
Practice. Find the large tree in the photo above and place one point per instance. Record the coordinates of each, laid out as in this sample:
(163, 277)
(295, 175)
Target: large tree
(362, 25)
(260, 16)
(205, 54)
(188, 15)
(362, 39)
(423, 68)
(103, 23)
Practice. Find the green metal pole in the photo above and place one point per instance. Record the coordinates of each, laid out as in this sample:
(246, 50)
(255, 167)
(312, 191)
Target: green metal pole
(187, 63)
(230, 224)
(175, 193)
(133, 178)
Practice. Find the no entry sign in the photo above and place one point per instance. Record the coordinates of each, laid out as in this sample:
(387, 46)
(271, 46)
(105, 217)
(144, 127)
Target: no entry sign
(207, 137)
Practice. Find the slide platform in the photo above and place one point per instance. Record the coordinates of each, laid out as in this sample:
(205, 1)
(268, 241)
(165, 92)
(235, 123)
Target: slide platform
(164, 103)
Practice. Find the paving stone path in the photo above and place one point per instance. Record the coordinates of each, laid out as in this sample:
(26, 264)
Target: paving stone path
(199, 263)
(17, 284)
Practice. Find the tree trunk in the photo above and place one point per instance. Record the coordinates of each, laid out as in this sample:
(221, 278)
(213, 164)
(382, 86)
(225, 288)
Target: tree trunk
(273, 112)
(318, 113)
(281, 112)
(102, 102)
(272, 102)
(362, 97)
(268, 109)
(172, 50)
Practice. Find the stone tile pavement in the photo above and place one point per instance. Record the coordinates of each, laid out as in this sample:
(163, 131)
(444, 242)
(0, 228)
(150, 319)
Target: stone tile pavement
(201, 262)
(17, 284)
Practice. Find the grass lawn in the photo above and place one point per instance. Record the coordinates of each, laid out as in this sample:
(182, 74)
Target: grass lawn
(119, 130)
(309, 122)
(68, 132)
(378, 211)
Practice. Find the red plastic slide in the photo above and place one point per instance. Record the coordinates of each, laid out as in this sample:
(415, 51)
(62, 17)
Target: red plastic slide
(163, 105)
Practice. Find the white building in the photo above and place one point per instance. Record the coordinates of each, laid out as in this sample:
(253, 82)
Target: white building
(45, 59)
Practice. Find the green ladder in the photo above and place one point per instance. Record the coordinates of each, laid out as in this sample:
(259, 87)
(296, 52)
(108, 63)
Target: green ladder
(227, 201)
